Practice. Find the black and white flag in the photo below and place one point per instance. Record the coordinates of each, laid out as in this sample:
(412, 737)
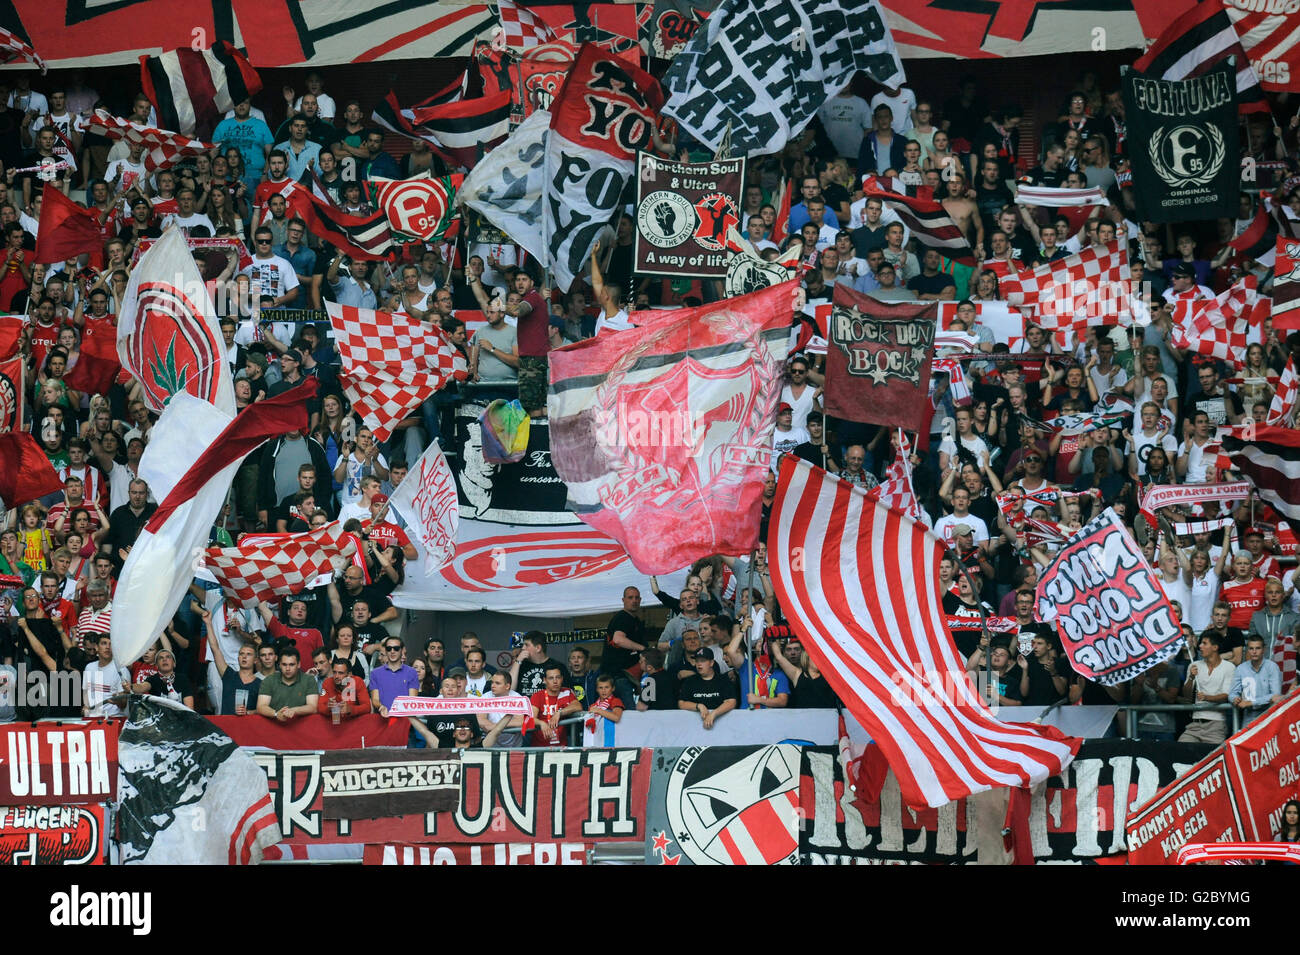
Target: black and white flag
(505, 186)
(1185, 154)
(764, 68)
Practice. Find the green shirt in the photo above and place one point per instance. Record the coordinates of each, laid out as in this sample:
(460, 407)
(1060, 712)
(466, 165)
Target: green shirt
(283, 694)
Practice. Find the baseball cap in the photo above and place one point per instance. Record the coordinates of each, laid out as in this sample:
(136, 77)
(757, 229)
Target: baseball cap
(457, 671)
(1033, 453)
(1185, 270)
(1253, 532)
(379, 499)
(962, 530)
(558, 321)
(783, 407)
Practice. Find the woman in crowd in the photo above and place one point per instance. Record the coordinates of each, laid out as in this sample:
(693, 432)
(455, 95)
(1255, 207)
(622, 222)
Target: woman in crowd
(345, 648)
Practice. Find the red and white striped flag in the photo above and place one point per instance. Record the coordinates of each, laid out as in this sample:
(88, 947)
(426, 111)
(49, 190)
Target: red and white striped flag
(1282, 410)
(193, 89)
(520, 28)
(266, 566)
(928, 220)
(1091, 287)
(161, 147)
(392, 363)
(1058, 197)
(857, 583)
(460, 131)
(1217, 328)
(896, 491)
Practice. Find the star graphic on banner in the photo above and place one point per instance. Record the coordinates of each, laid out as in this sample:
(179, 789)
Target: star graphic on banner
(877, 374)
(660, 843)
(1009, 19)
(672, 860)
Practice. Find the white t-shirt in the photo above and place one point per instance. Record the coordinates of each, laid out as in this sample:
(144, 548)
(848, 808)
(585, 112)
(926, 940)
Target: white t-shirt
(478, 686)
(1200, 600)
(64, 125)
(274, 274)
(902, 104)
(190, 222)
(618, 322)
(34, 101)
(945, 527)
(324, 101)
(783, 441)
(972, 443)
(845, 119)
(858, 217)
(131, 173)
(803, 405)
(98, 683)
(353, 474)
(119, 487)
(1142, 446)
(1197, 465)
(1214, 682)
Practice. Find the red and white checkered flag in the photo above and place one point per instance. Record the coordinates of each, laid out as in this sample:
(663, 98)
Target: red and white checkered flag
(161, 147)
(1217, 328)
(1091, 287)
(265, 565)
(521, 28)
(1282, 410)
(15, 49)
(896, 491)
(392, 363)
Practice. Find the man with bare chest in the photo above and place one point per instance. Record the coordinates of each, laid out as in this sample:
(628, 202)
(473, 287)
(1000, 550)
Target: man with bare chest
(963, 211)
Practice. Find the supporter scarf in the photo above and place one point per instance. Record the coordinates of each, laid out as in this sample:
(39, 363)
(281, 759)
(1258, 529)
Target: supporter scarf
(1188, 528)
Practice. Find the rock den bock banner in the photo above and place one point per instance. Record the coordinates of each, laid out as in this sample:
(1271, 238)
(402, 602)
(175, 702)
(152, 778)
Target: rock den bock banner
(1114, 618)
(1187, 162)
(663, 432)
(683, 212)
(765, 68)
(878, 361)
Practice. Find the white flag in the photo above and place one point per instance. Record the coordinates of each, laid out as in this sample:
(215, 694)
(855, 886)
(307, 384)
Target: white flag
(168, 336)
(426, 499)
(506, 185)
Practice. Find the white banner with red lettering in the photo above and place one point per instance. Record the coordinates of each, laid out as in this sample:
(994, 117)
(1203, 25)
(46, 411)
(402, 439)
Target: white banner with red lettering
(468, 705)
(560, 571)
(426, 499)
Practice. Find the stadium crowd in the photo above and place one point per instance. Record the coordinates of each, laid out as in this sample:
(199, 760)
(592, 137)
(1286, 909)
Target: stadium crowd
(999, 484)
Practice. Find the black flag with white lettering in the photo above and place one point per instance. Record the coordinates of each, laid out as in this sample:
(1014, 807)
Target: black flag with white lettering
(1186, 158)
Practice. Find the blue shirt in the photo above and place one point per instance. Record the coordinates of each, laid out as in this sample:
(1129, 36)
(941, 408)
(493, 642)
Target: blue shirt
(1256, 686)
(799, 218)
(866, 282)
(770, 687)
(299, 162)
(304, 263)
(391, 683)
(248, 137)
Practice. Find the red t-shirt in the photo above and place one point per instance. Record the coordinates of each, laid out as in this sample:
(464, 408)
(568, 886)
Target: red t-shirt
(534, 336)
(306, 639)
(1244, 599)
(60, 609)
(1267, 567)
(548, 706)
(385, 534)
(44, 337)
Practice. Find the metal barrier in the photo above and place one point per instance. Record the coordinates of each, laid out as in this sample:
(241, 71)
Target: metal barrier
(1131, 711)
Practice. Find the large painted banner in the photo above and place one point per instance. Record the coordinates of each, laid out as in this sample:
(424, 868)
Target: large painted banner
(1078, 816)
(52, 835)
(506, 797)
(56, 764)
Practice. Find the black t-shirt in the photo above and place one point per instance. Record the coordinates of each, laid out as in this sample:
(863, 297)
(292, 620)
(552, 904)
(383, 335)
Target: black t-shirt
(1217, 407)
(230, 682)
(618, 659)
(1231, 639)
(444, 727)
(990, 202)
(835, 194)
(370, 633)
(1041, 690)
(866, 238)
(661, 697)
(532, 676)
(810, 693)
(374, 597)
(319, 615)
(1052, 180)
(177, 687)
(712, 693)
(966, 637)
(931, 284)
(1008, 683)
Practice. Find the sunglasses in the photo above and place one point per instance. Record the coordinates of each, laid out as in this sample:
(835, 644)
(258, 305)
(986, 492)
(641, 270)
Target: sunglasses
(262, 241)
(397, 649)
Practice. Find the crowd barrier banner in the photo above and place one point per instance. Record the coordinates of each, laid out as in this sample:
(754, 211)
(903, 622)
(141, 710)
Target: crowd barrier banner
(503, 853)
(44, 765)
(526, 492)
(369, 783)
(1236, 794)
(506, 797)
(313, 732)
(1076, 817)
(724, 805)
(52, 835)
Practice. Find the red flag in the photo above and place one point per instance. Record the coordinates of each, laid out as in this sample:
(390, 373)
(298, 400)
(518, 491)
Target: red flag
(96, 368)
(858, 584)
(878, 360)
(11, 393)
(67, 230)
(27, 473)
(11, 334)
(663, 433)
(781, 224)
